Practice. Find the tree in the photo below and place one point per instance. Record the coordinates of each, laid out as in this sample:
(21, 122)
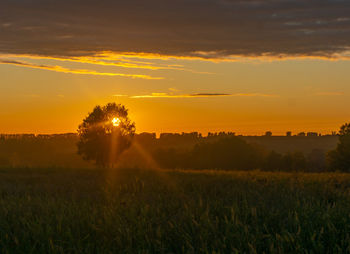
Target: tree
(339, 159)
(273, 162)
(104, 134)
(316, 160)
(227, 153)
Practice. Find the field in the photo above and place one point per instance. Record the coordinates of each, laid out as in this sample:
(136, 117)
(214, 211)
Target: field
(135, 211)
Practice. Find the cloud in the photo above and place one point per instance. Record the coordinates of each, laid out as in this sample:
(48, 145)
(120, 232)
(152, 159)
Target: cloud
(206, 29)
(100, 59)
(200, 95)
(74, 71)
(109, 59)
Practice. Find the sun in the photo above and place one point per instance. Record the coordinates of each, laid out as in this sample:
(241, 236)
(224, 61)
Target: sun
(116, 121)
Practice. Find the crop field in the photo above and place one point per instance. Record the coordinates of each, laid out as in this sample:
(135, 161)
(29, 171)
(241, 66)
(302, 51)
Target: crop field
(148, 211)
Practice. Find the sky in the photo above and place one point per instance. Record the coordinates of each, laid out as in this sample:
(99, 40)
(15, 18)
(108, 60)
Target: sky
(178, 66)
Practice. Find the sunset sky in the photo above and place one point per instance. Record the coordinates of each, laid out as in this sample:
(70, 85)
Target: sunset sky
(186, 65)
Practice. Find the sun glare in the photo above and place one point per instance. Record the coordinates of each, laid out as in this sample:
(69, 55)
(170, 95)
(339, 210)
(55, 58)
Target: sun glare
(116, 121)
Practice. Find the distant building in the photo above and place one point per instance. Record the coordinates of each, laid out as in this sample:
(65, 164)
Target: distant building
(288, 133)
(268, 134)
(301, 134)
(312, 134)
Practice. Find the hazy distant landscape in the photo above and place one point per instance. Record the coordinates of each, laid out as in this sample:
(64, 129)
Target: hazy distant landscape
(53, 201)
(60, 150)
(176, 193)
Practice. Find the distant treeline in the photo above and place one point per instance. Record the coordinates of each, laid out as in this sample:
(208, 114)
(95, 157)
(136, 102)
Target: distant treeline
(235, 153)
(171, 150)
(29, 150)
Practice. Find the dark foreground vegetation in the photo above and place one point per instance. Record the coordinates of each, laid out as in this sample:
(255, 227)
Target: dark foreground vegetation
(140, 211)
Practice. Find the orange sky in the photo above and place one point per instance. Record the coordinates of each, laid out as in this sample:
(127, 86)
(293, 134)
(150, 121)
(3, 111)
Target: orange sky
(249, 96)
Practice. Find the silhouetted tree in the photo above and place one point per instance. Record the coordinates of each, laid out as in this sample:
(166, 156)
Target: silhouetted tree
(227, 153)
(286, 162)
(294, 162)
(105, 133)
(273, 162)
(172, 158)
(339, 158)
(298, 161)
(316, 161)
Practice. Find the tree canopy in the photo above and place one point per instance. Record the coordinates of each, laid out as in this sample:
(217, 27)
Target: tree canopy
(340, 157)
(105, 134)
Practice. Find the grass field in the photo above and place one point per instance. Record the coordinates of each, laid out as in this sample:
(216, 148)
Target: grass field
(134, 211)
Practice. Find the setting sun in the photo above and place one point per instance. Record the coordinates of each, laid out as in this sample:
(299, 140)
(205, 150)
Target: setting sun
(116, 121)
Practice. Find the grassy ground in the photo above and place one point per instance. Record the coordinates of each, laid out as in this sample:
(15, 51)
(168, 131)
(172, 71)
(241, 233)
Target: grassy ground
(131, 211)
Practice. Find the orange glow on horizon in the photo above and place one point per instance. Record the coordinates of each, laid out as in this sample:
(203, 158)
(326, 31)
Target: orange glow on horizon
(298, 94)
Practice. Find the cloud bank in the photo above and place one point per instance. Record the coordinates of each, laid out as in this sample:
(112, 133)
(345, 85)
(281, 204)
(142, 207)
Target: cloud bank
(210, 29)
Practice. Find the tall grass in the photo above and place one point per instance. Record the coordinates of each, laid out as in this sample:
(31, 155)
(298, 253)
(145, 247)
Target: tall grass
(134, 211)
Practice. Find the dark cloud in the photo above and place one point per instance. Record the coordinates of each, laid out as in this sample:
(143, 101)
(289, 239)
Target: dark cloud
(175, 27)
